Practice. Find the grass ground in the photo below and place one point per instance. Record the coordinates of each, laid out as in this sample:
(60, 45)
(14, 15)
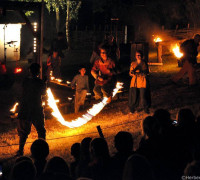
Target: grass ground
(112, 119)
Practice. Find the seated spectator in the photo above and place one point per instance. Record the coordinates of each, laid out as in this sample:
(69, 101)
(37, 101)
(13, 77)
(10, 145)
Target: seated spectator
(186, 120)
(186, 134)
(75, 152)
(150, 146)
(138, 168)
(39, 152)
(197, 137)
(159, 145)
(23, 170)
(82, 167)
(149, 143)
(163, 118)
(124, 144)
(101, 165)
(56, 169)
(57, 165)
(23, 158)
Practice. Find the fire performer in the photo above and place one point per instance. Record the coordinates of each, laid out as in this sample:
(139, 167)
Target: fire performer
(31, 110)
(103, 71)
(81, 83)
(189, 60)
(139, 86)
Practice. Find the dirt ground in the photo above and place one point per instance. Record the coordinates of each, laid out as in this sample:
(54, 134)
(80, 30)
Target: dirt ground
(112, 119)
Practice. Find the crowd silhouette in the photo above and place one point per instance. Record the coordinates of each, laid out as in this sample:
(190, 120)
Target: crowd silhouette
(168, 150)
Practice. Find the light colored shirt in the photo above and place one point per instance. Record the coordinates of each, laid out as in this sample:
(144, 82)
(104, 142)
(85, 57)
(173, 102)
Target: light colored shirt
(80, 82)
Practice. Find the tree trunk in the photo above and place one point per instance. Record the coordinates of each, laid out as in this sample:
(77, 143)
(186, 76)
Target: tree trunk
(57, 20)
(67, 23)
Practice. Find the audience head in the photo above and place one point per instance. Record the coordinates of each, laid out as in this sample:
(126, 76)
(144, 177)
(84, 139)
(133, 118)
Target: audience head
(57, 165)
(40, 149)
(139, 168)
(75, 150)
(85, 148)
(150, 127)
(23, 170)
(186, 118)
(99, 148)
(23, 158)
(123, 141)
(163, 118)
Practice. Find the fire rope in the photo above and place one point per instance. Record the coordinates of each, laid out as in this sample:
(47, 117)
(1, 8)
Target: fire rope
(96, 108)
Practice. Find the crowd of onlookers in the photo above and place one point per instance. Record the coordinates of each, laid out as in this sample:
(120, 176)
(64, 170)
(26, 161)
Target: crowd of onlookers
(167, 150)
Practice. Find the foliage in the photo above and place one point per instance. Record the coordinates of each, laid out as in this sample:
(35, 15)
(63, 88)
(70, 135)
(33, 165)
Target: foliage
(56, 5)
(73, 9)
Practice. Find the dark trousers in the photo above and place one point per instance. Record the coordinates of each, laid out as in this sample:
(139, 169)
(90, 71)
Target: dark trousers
(138, 96)
(24, 129)
(104, 91)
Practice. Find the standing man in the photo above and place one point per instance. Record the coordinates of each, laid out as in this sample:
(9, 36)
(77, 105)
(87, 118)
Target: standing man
(139, 92)
(103, 71)
(53, 64)
(81, 83)
(113, 49)
(189, 59)
(60, 44)
(31, 110)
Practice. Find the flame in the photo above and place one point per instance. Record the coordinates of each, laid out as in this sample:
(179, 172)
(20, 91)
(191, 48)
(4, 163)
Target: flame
(18, 70)
(69, 98)
(176, 51)
(59, 80)
(52, 78)
(96, 108)
(14, 107)
(157, 39)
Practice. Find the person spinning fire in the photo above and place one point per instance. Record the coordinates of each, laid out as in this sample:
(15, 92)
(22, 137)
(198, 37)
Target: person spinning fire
(103, 71)
(31, 110)
(189, 60)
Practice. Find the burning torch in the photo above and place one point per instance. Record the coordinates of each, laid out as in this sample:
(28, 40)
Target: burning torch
(178, 54)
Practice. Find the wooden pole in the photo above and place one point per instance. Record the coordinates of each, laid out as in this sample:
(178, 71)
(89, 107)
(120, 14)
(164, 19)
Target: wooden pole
(41, 36)
(159, 52)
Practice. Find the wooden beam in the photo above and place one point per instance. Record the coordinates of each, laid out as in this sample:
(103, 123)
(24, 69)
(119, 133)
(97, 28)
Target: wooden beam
(41, 36)
(28, 23)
